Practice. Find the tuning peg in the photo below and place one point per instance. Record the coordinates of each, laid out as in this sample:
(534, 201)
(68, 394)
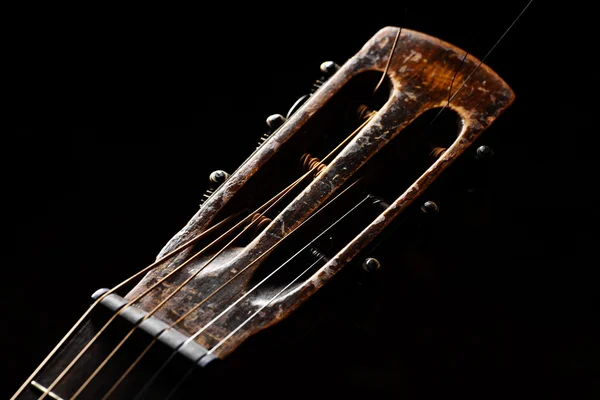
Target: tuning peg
(430, 208)
(484, 153)
(379, 202)
(371, 265)
(218, 176)
(275, 121)
(98, 293)
(329, 68)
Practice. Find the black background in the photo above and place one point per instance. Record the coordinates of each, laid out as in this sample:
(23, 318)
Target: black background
(133, 109)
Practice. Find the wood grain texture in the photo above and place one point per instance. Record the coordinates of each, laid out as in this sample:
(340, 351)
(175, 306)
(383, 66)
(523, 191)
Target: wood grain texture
(420, 73)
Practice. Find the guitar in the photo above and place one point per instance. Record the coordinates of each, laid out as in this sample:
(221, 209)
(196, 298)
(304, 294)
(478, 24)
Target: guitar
(309, 201)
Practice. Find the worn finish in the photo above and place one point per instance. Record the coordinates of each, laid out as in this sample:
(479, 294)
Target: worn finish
(420, 72)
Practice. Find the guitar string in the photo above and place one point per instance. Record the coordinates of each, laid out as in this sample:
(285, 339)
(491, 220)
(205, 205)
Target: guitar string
(117, 287)
(205, 327)
(481, 62)
(189, 372)
(390, 56)
(462, 62)
(185, 282)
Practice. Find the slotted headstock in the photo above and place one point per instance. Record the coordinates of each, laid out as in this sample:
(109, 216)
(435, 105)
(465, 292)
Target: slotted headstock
(421, 71)
(351, 157)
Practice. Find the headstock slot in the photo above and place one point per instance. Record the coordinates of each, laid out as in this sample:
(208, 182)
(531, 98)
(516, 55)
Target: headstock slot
(318, 136)
(407, 156)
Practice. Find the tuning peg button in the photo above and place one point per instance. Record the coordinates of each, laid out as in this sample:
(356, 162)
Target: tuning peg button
(329, 68)
(218, 176)
(99, 293)
(430, 208)
(371, 265)
(275, 121)
(484, 153)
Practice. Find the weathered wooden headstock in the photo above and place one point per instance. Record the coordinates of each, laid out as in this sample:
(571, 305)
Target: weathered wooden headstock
(419, 76)
(325, 184)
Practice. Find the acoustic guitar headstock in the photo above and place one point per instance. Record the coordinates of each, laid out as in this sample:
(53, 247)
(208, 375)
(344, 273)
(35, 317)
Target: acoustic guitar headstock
(346, 162)
(347, 140)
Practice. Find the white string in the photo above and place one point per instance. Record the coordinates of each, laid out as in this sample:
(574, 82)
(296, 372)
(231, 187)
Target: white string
(260, 309)
(482, 61)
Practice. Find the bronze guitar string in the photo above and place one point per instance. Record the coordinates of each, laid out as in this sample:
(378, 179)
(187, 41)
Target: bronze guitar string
(287, 190)
(387, 66)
